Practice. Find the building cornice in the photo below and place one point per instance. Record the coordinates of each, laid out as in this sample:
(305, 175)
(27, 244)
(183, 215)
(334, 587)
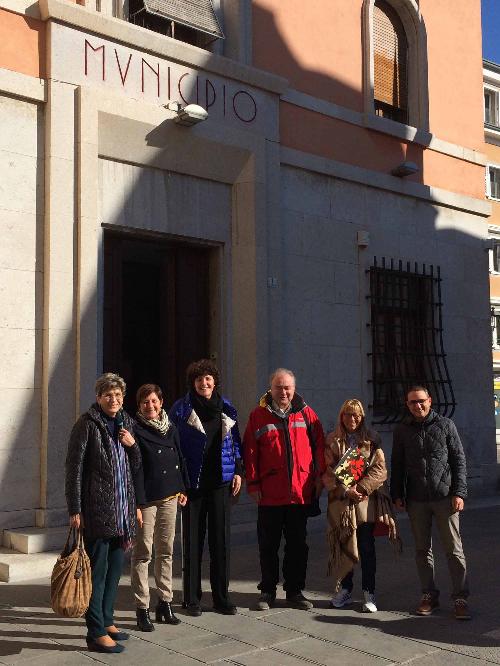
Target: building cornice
(490, 66)
(383, 125)
(23, 86)
(25, 7)
(382, 181)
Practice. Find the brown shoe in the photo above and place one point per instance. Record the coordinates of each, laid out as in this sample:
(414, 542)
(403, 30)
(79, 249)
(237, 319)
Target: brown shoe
(462, 609)
(428, 604)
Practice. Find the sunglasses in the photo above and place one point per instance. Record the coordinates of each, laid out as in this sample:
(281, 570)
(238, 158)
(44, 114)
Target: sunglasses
(413, 403)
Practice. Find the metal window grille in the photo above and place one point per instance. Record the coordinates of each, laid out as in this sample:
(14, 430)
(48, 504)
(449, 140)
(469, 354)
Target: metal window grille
(407, 343)
(390, 56)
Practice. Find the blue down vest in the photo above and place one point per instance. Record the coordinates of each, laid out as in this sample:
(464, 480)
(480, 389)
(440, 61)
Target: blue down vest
(193, 438)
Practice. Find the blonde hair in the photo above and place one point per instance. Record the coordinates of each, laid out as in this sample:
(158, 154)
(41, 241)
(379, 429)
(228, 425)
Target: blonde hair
(355, 405)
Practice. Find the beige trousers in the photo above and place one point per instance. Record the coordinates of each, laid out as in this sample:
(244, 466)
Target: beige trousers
(158, 530)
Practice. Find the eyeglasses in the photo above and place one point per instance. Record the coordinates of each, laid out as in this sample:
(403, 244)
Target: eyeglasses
(413, 403)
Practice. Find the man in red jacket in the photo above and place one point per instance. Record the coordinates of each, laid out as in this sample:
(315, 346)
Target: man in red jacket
(284, 460)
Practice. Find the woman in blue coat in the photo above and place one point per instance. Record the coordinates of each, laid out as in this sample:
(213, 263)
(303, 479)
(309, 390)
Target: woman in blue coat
(211, 446)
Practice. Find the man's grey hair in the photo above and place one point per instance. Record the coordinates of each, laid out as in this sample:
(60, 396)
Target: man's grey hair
(108, 382)
(418, 387)
(281, 371)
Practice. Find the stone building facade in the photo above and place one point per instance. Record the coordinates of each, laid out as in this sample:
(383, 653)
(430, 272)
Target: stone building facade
(328, 216)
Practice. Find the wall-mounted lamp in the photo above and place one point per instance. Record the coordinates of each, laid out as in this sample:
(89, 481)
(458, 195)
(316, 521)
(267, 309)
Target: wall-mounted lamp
(405, 169)
(192, 114)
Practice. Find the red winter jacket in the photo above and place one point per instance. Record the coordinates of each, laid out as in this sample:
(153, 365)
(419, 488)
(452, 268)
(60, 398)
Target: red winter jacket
(278, 454)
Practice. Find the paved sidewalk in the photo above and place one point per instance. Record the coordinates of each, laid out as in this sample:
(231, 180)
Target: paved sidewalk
(30, 633)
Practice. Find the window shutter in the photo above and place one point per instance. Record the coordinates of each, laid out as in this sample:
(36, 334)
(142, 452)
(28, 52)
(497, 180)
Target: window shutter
(496, 256)
(196, 14)
(390, 54)
(494, 182)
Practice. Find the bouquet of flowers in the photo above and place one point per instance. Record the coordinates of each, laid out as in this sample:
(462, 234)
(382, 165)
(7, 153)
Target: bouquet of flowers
(351, 467)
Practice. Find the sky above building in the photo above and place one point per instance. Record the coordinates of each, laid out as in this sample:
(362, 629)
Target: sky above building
(491, 29)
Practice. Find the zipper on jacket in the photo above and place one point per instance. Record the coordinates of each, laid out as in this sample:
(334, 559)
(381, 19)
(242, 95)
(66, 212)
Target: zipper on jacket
(426, 457)
(232, 445)
(203, 453)
(289, 454)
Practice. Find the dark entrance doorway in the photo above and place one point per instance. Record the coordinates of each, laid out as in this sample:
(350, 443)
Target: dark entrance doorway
(156, 311)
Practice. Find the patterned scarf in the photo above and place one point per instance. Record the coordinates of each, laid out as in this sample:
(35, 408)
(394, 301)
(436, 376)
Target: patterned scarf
(162, 424)
(119, 465)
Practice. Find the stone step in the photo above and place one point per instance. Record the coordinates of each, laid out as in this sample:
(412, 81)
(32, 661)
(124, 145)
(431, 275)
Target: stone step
(15, 567)
(35, 539)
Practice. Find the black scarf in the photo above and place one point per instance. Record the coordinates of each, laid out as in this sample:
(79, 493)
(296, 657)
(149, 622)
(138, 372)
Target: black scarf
(207, 409)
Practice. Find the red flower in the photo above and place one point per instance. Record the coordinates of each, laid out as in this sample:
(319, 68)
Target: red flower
(357, 467)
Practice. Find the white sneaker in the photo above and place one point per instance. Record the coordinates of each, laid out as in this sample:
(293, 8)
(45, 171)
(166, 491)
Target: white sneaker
(369, 606)
(341, 599)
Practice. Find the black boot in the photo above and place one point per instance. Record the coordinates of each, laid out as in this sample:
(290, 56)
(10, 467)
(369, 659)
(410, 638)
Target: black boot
(143, 620)
(164, 613)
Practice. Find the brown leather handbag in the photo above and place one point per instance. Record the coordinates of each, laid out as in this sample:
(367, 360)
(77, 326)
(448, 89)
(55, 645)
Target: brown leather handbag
(71, 581)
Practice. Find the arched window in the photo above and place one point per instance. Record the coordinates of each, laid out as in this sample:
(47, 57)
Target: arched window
(390, 63)
(395, 62)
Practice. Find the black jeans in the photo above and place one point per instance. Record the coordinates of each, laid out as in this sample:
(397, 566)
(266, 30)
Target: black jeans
(366, 548)
(214, 506)
(106, 561)
(289, 520)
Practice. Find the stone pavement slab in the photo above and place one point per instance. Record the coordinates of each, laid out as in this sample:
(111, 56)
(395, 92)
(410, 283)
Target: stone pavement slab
(30, 633)
(345, 629)
(329, 653)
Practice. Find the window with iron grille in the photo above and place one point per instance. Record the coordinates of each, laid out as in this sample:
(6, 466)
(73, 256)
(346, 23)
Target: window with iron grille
(493, 182)
(390, 62)
(407, 342)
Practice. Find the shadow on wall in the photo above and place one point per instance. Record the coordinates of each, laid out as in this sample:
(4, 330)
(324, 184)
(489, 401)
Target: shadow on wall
(312, 132)
(317, 315)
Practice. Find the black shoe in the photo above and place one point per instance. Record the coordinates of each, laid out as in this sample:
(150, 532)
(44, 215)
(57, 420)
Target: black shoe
(226, 609)
(143, 620)
(164, 613)
(265, 601)
(118, 635)
(97, 647)
(299, 601)
(193, 609)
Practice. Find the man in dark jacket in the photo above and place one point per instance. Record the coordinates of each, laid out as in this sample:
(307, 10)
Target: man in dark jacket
(284, 460)
(428, 477)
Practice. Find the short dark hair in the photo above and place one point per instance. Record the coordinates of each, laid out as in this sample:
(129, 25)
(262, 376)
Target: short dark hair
(199, 369)
(145, 390)
(418, 387)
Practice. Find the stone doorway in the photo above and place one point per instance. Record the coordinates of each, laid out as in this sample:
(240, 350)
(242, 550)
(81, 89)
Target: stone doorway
(156, 311)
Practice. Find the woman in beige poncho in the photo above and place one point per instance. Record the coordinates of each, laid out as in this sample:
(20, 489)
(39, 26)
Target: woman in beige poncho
(353, 511)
